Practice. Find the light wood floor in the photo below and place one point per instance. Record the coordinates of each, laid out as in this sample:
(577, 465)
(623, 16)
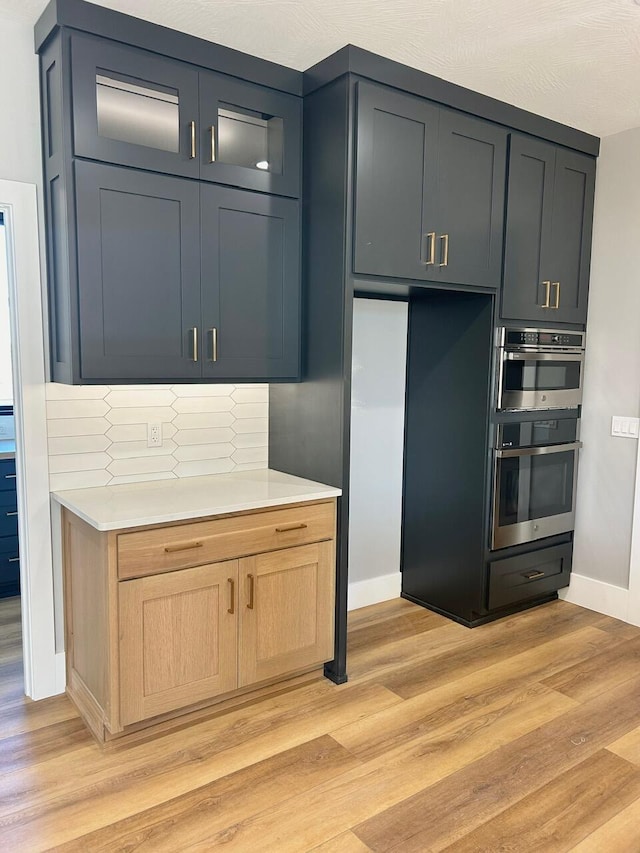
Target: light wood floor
(522, 735)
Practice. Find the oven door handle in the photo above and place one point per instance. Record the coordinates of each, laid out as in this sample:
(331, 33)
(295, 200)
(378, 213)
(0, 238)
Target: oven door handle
(538, 451)
(543, 356)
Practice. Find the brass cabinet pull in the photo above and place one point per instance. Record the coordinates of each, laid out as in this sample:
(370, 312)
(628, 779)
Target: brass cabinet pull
(531, 576)
(547, 302)
(232, 593)
(193, 152)
(14, 560)
(214, 344)
(431, 254)
(556, 284)
(288, 527)
(188, 546)
(252, 591)
(445, 250)
(213, 144)
(10, 514)
(10, 476)
(194, 341)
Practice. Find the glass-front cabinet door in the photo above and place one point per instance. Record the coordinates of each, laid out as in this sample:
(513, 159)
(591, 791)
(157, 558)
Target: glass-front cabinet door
(249, 135)
(133, 108)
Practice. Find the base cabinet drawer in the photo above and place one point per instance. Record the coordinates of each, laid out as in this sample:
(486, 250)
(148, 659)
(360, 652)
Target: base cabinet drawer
(8, 513)
(9, 567)
(7, 475)
(528, 576)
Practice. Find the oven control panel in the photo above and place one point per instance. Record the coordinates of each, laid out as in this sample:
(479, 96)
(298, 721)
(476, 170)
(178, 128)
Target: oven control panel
(547, 338)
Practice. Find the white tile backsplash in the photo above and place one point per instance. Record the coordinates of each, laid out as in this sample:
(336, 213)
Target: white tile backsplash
(98, 434)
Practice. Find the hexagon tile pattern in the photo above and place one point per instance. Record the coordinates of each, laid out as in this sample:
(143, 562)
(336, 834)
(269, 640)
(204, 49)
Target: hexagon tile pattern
(98, 433)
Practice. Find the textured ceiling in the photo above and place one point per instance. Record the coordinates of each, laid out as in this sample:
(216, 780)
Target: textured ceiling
(576, 61)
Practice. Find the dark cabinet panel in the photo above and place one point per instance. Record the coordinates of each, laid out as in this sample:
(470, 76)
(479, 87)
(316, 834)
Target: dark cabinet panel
(471, 188)
(548, 233)
(133, 107)
(395, 184)
(528, 576)
(250, 136)
(528, 231)
(250, 285)
(429, 199)
(7, 475)
(139, 274)
(571, 247)
(9, 567)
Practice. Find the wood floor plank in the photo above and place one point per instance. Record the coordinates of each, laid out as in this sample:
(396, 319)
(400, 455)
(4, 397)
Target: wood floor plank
(462, 697)
(628, 746)
(29, 749)
(400, 627)
(183, 820)
(441, 814)
(314, 817)
(105, 788)
(346, 842)
(489, 645)
(599, 673)
(23, 715)
(562, 813)
(618, 835)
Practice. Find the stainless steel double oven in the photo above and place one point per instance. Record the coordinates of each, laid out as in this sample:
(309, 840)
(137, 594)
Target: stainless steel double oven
(539, 391)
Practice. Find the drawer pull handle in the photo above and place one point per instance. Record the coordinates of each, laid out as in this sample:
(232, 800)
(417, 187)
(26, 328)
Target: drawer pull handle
(10, 514)
(10, 476)
(192, 134)
(232, 593)
(14, 559)
(289, 527)
(532, 576)
(170, 549)
(252, 591)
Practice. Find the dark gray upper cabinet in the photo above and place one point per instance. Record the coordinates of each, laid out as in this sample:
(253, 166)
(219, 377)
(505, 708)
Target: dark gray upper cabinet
(250, 285)
(139, 272)
(429, 196)
(395, 183)
(134, 108)
(249, 135)
(548, 232)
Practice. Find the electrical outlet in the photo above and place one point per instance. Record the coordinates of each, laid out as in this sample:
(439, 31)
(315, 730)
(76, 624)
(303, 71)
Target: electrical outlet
(154, 435)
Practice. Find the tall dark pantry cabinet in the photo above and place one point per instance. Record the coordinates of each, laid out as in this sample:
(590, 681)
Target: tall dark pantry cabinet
(406, 181)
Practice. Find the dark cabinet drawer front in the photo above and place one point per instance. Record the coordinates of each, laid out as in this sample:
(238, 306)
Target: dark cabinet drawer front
(7, 475)
(8, 514)
(528, 576)
(9, 567)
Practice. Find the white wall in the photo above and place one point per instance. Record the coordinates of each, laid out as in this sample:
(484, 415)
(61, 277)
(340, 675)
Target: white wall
(377, 446)
(612, 373)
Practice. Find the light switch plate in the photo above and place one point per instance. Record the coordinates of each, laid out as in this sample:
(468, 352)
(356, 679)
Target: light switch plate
(625, 427)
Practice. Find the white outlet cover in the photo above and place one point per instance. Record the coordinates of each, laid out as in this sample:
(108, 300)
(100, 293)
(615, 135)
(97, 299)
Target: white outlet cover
(623, 427)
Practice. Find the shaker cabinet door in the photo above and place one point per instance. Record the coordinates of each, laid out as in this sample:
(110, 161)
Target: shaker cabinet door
(573, 196)
(133, 107)
(472, 165)
(250, 285)
(178, 639)
(528, 267)
(138, 242)
(395, 184)
(286, 611)
(250, 136)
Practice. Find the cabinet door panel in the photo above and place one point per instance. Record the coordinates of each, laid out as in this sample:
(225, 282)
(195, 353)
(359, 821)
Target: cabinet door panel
(471, 187)
(250, 285)
(250, 135)
(286, 611)
(528, 242)
(138, 273)
(178, 641)
(572, 220)
(395, 184)
(133, 108)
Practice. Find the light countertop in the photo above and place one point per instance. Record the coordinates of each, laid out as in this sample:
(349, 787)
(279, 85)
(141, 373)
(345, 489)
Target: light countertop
(161, 501)
(7, 449)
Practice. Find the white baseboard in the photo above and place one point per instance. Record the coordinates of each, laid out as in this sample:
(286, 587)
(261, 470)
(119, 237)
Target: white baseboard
(597, 595)
(374, 590)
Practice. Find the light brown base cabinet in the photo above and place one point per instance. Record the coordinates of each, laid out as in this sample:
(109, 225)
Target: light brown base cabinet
(163, 619)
